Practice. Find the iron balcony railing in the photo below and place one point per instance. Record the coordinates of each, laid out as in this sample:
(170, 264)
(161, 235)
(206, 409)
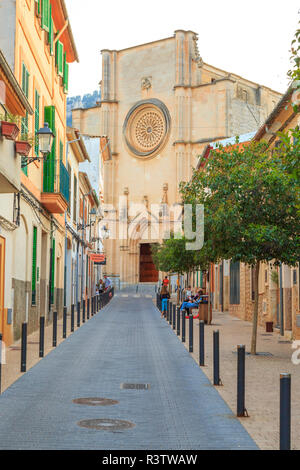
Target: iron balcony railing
(56, 181)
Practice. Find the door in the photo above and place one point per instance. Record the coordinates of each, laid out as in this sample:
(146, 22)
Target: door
(148, 271)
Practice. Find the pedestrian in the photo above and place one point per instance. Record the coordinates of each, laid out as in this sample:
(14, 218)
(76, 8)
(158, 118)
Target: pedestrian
(107, 283)
(166, 281)
(101, 286)
(164, 297)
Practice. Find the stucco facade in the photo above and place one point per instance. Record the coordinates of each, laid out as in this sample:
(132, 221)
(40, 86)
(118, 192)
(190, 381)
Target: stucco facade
(160, 105)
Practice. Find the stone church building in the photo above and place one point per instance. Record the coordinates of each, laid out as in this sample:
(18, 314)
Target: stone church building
(161, 104)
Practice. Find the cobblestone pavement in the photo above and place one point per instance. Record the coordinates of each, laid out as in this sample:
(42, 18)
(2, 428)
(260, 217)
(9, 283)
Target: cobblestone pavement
(262, 375)
(127, 342)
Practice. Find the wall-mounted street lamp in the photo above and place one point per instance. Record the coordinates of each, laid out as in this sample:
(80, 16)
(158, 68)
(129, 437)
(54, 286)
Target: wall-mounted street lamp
(93, 216)
(46, 137)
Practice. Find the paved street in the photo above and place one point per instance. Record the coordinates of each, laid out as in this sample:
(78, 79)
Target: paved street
(127, 342)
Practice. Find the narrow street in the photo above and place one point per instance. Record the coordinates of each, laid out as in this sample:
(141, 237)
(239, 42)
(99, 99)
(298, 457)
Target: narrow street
(126, 343)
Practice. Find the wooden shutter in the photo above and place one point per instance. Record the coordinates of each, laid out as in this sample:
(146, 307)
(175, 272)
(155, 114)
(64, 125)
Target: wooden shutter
(45, 14)
(51, 32)
(75, 199)
(53, 272)
(66, 74)
(36, 122)
(34, 262)
(59, 58)
(50, 163)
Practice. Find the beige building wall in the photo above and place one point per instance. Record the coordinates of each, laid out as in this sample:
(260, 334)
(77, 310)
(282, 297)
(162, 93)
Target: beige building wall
(191, 104)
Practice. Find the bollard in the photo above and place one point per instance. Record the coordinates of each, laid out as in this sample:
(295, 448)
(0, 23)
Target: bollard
(72, 317)
(65, 323)
(88, 309)
(168, 309)
(183, 326)
(216, 359)
(285, 411)
(24, 347)
(78, 314)
(178, 321)
(42, 336)
(201, 343)
(191, 333)
(174, 316)
(0, 363)
(93, 305)
(241, 410)
(83, 311)
(170, 312)
(54, 341)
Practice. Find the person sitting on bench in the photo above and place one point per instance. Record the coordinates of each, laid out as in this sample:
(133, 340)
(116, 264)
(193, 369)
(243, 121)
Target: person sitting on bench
(194, 304)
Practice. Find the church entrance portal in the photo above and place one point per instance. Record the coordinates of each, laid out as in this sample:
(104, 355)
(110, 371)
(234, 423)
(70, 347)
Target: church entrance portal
(148, 272)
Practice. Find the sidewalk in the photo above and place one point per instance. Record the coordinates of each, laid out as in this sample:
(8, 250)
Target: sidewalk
(262, 375)
(11, 368)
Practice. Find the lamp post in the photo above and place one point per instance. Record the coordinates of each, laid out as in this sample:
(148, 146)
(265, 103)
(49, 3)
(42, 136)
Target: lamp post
(45, 136)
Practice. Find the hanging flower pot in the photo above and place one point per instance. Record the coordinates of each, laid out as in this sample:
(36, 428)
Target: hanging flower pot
(9, 130)
(23, 148)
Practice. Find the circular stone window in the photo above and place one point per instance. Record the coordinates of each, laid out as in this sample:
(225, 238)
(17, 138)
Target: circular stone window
(146, 127)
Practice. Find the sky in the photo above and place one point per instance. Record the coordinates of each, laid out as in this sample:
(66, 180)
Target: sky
(251, 38)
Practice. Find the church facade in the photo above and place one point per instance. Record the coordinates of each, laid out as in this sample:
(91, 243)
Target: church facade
(161, 104)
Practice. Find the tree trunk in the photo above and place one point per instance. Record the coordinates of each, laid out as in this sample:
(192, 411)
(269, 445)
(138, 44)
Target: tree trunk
(255, 312)
(209, 319)
(178, 290)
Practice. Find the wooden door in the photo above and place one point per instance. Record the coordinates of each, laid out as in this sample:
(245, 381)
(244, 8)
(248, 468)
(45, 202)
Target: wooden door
(148, 271)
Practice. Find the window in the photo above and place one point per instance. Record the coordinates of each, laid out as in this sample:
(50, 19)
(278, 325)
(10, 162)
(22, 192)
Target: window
(24, 120)
(75, 199)
(34, 268)
(66, 74)
(45, 14)
(59, 58)
(36, 122)
(70, 175)
(235, 282)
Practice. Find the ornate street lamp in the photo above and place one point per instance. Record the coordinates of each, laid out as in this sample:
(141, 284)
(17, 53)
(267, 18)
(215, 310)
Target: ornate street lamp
(45, 136)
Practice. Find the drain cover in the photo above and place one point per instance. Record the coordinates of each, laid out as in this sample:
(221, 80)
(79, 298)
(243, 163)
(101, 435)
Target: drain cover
(95, 401)
(135, 386)
(106, 424)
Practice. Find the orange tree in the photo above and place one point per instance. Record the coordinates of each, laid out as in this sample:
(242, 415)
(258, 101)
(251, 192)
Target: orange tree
(250, 200)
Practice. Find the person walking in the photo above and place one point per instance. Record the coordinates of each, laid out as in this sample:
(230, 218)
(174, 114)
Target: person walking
(107, 283)
(164, 297)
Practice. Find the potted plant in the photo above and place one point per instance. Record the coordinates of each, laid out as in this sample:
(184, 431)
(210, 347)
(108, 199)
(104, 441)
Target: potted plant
(9, 126)
(24, 145)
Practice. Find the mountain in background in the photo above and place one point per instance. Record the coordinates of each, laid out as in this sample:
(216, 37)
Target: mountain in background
(86, 101)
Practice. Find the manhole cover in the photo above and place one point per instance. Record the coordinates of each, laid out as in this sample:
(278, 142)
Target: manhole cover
(135, 386)
(95, 401)
(106, 424)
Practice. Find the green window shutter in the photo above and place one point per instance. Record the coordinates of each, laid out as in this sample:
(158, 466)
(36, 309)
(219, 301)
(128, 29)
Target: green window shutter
(59, 58)
(51, 33)
(36, 122)
(61, 151)
(50, 163)
(53, 271)
(45, 14)
(66, 74)
(34, 270)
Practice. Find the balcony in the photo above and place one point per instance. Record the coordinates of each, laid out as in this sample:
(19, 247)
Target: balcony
(55, 195)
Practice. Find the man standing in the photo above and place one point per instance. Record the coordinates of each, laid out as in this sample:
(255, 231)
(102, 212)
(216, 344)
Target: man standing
(107, 282)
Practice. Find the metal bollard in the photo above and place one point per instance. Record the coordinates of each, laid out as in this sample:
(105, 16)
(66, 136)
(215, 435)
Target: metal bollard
(241, 410)
(174, 316)
(88, 309)
(170, 312)
(24, 347)
(191, 333)
(78, 314)
(65, 323)
(183, 326)
(178, 321)
(201, 343)
(216, 359)
(42, 336)
(83, 311)
(72, 317)
(54, 340)
(285, 411)
(0, 363)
